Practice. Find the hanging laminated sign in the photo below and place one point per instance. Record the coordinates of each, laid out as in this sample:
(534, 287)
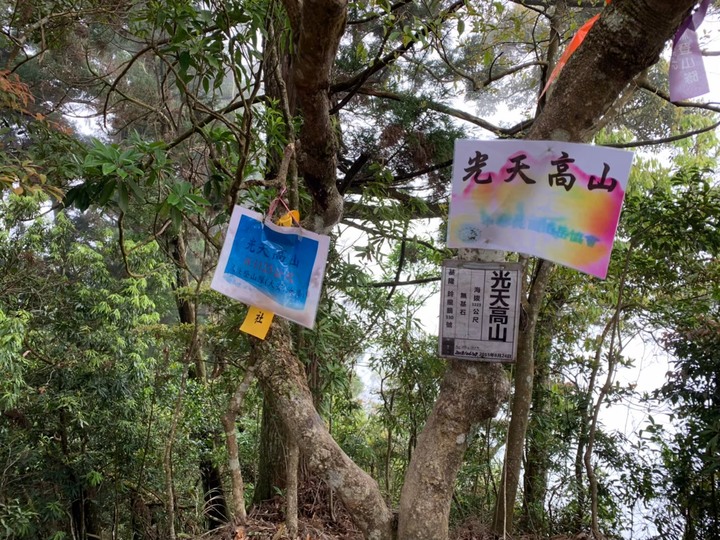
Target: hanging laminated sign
(273, 268)
(480, 311)
(257, 322)
(687, 70)
(556, 200)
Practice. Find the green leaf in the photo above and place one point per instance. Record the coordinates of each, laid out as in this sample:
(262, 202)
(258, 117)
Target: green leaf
(107, 192)
(173, 199)
(137, 192)
(184, 60)
(176, 217)
(108, 168)
(123, 200)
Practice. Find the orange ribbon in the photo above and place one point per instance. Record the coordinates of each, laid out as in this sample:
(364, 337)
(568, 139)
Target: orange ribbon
(574, 44)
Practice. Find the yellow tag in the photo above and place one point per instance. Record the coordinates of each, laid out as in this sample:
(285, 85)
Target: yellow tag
(258, 321)
(287, 219)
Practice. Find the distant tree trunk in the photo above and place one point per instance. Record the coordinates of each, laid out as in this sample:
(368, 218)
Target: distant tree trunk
(92, 519)
(537, 461)
(582, 438)
(215, 504)
(141, 519)
(167, 461)
(584, 426)
(84, 516)
(228, 420)
(186, 308)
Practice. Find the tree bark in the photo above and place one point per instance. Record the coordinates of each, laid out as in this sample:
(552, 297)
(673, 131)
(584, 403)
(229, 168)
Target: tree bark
(228, 421)
(271, 473)
(318, 25)
(469, 393)
(520, 410)
(281, 374)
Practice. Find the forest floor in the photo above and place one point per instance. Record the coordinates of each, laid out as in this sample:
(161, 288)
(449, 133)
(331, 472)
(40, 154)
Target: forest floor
(322, 518)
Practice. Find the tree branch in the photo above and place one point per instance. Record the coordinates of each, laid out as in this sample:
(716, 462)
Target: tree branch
(420, 281)
(665, 140)
(375, 16)
(355, 83)
(392, 236)
(457, 113)
(646, 85)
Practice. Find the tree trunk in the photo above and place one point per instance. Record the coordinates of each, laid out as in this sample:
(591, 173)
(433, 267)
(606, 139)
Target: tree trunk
(291, 494)
(470, 392)
(213, 494)
(318, 26)
(141, 522)
(627, 39)
(537, 460)
(271, 475)
(84, 515)
(282, 376)
(215, 505)
(186, 308)
(520, 410)
(228, 421)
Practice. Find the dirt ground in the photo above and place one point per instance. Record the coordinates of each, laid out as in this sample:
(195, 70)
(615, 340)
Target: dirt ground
(322, 517)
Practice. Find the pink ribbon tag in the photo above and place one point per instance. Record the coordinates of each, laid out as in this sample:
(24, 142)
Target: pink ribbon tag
(687, 70)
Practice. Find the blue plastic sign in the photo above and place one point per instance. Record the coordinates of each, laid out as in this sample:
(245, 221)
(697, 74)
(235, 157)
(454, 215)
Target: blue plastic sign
(279, 269)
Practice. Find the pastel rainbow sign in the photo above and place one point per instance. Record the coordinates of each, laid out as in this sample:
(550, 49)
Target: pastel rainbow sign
(556, 200)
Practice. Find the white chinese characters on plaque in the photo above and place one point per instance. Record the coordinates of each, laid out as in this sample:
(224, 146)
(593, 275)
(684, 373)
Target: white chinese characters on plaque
(480, 311)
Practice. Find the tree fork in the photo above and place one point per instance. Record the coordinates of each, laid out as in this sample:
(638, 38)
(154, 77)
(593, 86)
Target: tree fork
(281, 374)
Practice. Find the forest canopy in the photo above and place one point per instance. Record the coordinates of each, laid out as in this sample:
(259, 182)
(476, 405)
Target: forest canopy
(133, 407)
